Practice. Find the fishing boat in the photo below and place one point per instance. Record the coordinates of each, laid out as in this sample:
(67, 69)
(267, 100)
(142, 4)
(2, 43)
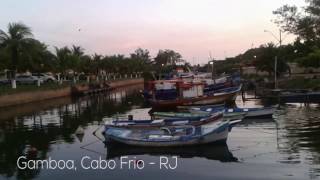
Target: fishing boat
(199, 114)
(203, 107)
(165, 122)
(265, 112)
(196, 97)
(182, 135)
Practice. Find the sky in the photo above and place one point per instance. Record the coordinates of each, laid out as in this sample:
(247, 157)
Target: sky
(194, 28)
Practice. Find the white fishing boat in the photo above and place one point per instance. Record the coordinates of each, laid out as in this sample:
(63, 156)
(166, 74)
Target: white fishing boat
(182, 135)
(265, 112)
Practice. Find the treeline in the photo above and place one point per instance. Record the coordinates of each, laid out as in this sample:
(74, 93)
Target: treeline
(20, 52)
(304, 23)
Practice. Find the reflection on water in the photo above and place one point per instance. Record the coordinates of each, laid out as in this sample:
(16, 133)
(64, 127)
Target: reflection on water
(211, 152)
(38, 130)
(299, 135)
(287, 146)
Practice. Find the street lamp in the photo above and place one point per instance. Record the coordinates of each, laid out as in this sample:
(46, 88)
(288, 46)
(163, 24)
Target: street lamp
(161, 69)
(212, 70)
(276, 57)
(278, 39)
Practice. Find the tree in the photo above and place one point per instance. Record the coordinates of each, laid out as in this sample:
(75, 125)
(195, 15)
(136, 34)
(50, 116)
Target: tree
(36, 58)
(15, 41)
(265, 59)
(141, 54)
(62, 56)
(77, 51)
(167, 57)
(96, 63)
(303, 22)
(4, 59)
(311, 60)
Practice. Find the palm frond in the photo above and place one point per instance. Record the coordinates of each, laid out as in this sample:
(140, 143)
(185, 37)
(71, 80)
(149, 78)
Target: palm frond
(19, 31)
(3, 36)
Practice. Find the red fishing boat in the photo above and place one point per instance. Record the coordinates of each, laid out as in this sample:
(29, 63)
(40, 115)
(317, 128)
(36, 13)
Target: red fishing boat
(170, 94)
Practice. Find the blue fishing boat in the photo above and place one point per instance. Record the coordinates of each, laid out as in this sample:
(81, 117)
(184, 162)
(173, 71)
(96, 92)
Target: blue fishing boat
(167, 122)
(181, 135)
(199, 114)
(203, 107)
(265, 112)
(169, 132)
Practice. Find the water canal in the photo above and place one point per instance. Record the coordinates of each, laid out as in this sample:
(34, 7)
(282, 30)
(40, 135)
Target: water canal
(286, 147)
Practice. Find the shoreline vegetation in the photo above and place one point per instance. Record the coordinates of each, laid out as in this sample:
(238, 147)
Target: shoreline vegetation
(20, 52)
(295, 83)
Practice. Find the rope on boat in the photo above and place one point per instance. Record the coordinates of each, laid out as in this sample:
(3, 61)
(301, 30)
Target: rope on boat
(94, 133)
(99, 139)
(91, 150)
(88, 144)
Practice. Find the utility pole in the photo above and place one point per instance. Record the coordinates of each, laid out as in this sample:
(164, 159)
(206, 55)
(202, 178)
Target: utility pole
(276, 62)
(275, 72)
(276, 57)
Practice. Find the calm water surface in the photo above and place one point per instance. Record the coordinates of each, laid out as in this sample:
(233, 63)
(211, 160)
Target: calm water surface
(286, 147)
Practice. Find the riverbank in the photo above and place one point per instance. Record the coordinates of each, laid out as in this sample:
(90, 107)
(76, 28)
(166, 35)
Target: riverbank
(56, 91)
(300, 83)
(291, 83)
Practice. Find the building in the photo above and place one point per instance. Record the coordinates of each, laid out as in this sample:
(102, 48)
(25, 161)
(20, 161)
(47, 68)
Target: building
(252, 70)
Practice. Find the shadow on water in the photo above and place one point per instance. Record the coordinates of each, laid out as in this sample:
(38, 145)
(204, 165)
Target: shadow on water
(35, 127)
(212, 152)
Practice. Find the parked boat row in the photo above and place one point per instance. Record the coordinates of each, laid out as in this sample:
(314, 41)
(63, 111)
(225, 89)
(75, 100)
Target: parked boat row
(200, 118)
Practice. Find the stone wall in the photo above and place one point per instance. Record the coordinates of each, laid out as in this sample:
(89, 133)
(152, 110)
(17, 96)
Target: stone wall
(27, 97)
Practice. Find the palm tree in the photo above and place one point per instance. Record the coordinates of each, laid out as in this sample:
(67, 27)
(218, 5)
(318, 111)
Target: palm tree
(15, 41)
(96, 58)
(77, 51)
(62, 56)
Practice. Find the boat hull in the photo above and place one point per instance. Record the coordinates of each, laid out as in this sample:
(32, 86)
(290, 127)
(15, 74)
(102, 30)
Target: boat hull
(151, 125)
(205, 100)
(220, 134)
(198, 114)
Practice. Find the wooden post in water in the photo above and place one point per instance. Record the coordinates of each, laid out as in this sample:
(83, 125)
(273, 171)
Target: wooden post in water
(243, 94)
(275, 72)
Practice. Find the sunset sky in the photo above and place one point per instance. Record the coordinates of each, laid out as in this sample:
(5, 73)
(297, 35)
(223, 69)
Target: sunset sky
(192, 27)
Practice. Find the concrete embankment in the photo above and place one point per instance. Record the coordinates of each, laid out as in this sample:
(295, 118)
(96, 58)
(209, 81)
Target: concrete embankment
(28, 97)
